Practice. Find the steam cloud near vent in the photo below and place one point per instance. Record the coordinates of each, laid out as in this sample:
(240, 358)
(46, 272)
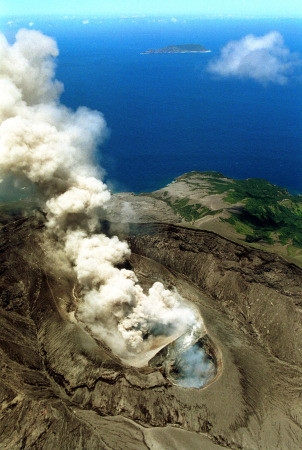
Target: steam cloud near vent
(53, 147)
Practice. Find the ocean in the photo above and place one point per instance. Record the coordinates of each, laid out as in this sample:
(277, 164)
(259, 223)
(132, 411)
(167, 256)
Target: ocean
(166, 113)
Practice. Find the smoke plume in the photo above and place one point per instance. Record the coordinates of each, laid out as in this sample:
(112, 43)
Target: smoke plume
(53, 147)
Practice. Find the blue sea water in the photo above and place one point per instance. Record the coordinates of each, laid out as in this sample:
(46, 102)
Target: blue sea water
(167, 114)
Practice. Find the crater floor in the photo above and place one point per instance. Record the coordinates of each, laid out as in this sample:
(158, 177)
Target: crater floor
(61, 389)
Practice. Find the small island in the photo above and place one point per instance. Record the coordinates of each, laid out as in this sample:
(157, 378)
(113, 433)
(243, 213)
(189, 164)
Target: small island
(185, 48)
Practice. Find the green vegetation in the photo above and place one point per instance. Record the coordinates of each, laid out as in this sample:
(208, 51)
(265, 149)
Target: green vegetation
(268, 212)
(238, 190)
(209, 173)
(189, 212)
(264, 213)
(183, 48)
(267, 209)
(186, 48)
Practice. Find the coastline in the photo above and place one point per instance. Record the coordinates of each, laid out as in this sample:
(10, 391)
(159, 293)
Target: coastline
(156, 52)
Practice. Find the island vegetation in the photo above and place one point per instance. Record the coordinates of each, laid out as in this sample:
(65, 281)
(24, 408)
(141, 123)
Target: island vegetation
(252, 210)
(184, 48)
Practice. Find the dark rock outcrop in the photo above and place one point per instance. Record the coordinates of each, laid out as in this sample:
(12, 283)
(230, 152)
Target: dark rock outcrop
(259, 290)
(62, 389)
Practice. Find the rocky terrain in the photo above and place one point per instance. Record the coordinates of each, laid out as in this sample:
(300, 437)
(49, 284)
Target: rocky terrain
(62, 389)
(253, 211)
(94, 354)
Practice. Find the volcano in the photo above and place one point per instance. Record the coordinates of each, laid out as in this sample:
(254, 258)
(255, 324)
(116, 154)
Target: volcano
(61, 387)
(125, 334)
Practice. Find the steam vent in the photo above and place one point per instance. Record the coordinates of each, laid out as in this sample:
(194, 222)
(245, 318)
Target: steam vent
(68, 386)
(189, 366)
(132, 321)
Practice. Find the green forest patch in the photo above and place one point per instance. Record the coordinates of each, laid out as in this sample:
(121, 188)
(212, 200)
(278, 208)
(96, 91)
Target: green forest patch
(267, 210)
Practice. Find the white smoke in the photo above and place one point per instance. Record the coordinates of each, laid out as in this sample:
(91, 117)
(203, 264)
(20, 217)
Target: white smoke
(53, 147)
(264, 59)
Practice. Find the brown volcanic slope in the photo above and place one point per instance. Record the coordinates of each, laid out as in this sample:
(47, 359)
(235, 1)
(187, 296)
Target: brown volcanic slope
(60, 389)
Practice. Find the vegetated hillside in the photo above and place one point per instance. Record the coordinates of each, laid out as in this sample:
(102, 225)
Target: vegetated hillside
(253, 210)
(184, 48)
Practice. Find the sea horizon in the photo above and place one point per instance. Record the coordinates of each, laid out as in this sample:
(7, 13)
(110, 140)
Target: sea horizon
(168, 115)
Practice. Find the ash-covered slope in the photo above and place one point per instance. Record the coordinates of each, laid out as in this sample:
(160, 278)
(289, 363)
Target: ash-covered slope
(252, 211)
(71, 305)
(62, 389)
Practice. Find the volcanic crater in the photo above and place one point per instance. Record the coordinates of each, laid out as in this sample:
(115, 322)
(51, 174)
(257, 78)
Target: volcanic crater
(60, 387)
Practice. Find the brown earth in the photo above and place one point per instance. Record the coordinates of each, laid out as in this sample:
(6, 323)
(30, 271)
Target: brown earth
(60, 389)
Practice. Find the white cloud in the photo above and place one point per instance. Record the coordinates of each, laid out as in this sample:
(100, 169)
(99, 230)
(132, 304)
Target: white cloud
(174, 19)
(85, 22)
(264, 59)
(31, 24)
(47, 144)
